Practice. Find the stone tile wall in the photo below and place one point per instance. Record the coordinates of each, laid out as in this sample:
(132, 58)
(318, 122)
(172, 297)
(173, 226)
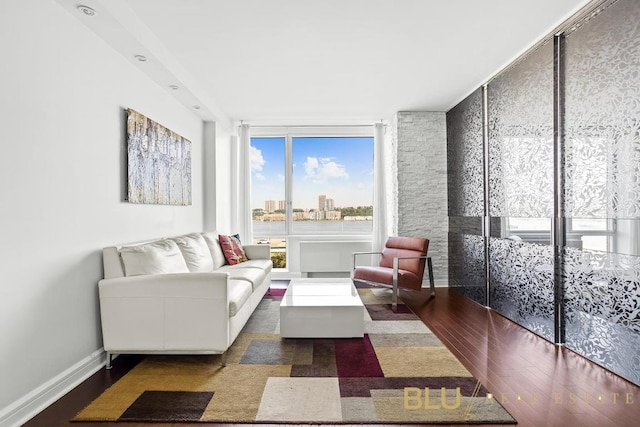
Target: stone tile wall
(421, 183)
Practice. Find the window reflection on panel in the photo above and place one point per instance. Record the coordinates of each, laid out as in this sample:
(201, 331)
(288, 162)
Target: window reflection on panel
(532, 230)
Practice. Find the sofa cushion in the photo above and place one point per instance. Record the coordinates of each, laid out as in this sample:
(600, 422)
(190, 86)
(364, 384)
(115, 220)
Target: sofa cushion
(253, 275)
(159, 257)
(195, 252)
(263, 264)
(239, 293)
(384, 275)
(215, 249)
(232, 249)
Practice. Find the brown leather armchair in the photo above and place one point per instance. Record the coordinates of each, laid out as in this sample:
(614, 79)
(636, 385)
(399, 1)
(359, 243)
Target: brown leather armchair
(401, 264)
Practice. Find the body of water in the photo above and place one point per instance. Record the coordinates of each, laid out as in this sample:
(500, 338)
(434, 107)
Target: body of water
(264, 229)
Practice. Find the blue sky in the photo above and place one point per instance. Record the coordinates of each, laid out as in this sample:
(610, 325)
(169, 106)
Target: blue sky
(341, 168)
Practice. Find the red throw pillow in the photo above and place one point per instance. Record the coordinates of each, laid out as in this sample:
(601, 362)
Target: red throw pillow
(232, 249)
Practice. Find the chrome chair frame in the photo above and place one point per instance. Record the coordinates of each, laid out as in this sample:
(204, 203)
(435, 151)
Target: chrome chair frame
(394, 281)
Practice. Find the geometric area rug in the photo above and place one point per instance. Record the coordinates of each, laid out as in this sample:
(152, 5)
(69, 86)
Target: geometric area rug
(399, 373)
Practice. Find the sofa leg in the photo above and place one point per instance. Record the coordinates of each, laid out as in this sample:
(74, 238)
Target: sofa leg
(223, 359)
(109, 357)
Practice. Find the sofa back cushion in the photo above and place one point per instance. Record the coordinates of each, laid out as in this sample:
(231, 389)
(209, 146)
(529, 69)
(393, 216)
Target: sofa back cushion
(195, 252)
(159, 257)
(214, 247)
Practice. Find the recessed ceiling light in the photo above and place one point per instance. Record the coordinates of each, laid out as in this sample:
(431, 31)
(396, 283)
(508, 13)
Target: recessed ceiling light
(89, 11)
(141, 58)
(173, 87)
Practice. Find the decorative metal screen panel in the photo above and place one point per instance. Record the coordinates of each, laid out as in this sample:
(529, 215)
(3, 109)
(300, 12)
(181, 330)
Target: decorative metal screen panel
(602, 306)
(520, 128)
(465, 154)
(467, 271)
(602, 186)
(465, 178)
(522, 283)
(602, 115)
(598, 107)
(467, 266)
(520, 114)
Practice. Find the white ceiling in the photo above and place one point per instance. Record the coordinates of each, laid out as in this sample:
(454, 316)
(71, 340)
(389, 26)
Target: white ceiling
(314, 61)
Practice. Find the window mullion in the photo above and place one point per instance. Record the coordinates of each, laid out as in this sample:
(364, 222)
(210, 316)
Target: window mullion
(288, 180)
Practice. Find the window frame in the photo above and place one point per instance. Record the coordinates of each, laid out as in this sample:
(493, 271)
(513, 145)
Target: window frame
(291, 132)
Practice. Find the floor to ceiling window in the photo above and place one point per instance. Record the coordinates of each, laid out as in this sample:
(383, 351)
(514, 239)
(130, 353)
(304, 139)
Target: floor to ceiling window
(309, 182)
(268, 171)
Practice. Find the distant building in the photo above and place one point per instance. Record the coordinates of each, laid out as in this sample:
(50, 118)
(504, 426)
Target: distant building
(314, 215)
(281, 205)
(269, 205)
(322, 200)
(325, 204)
(358, 218)
(333, 215)
(273, 217)
(329, 205)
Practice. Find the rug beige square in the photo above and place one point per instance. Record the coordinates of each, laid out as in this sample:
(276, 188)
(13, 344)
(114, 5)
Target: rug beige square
(398, 373)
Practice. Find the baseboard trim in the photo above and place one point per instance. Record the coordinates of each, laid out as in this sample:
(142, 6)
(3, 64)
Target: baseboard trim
(441, 283)
(34, 402)
(438, 283)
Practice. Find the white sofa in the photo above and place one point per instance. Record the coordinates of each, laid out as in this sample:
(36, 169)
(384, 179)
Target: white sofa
(177, 295)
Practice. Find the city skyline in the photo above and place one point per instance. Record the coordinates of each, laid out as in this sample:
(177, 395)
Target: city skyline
(324, 204)
(341, 168)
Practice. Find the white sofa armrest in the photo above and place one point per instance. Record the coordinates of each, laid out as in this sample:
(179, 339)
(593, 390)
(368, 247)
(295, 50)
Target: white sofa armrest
(182, 312)
(257, 251)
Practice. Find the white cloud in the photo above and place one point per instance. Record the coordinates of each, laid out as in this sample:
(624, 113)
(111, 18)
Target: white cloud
(260, 177)
(331, 169)
(323, 169)
(311, 166)
(257, 161)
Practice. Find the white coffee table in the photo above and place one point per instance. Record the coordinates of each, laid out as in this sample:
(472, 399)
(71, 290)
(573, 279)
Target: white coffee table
(321, 308)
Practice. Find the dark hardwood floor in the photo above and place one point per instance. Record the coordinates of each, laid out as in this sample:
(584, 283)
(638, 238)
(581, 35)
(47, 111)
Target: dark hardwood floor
(539, 383)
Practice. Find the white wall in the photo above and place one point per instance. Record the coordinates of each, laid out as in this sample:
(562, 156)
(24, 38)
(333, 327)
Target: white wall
(225, 199)
(61, 181)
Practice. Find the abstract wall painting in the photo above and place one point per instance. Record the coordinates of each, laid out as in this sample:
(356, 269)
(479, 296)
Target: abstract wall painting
(159, 163)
